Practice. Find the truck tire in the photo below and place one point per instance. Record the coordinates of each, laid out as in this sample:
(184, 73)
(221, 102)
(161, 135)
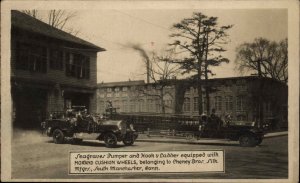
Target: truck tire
(247, 140)
(128, 140)
(259, 140)
(110, 140)
(58, 136)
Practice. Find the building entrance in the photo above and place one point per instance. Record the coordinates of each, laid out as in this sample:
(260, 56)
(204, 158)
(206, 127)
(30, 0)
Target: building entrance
(77, 99)
(29, 107)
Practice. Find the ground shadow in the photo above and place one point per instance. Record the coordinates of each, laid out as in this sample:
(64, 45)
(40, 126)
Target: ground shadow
(88, 143)
(190, 143)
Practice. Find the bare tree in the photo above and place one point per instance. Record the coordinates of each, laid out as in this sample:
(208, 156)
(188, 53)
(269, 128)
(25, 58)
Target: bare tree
(56, 18)
(160, 71)
(33, 13)
(202, 39)
(59, 18)
(267, 58)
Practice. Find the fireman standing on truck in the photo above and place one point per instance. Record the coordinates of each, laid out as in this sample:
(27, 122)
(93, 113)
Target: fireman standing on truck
(109, 108)
(215, 121)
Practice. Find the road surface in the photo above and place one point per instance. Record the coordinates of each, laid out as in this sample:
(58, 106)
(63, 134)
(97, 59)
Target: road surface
(36, 157)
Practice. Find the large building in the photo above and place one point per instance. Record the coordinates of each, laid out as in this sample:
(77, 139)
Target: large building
(135, 97)
(237, 96)
(50, 70)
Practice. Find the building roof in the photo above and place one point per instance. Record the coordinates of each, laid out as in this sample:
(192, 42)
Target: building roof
(141, 82)
(247, 78)
(122, 83)
(28, 23)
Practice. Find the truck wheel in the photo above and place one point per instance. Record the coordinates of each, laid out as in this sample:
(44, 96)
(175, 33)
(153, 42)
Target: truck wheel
(58, 136)
(259, 141)
(128, 140)
(110, 140)
(247, 140)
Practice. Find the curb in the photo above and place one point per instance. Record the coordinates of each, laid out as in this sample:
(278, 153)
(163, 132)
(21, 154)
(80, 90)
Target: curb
(207, 141)
(279, 134)
(224, 143)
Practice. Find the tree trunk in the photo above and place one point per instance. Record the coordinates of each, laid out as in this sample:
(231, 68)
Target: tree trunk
(206, 91)
(199, 88)
(206, 78)
(207, 101)
(162, 100)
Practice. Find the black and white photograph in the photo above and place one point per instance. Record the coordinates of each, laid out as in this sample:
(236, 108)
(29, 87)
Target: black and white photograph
(156, 91)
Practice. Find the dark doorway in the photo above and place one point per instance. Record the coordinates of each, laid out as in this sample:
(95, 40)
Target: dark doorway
(29, 107)
(77, 99)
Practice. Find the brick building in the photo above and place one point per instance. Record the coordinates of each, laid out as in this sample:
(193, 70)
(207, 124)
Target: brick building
(237, 96)
(135, 97)
(50, 70)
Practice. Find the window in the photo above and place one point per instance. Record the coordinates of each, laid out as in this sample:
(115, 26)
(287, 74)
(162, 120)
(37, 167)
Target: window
(141, 105)
(117, 89)
(117, 94)
(195, 90)
(56, 59)
(150, 105)
(240, 103)
(187, 91)
(227, 88)
(168, 103)
(204, 107)
(241, 85)
(109, 90)
(101, 95)
(68, 104)
(124, 94)
(157, 105)
(31, 57)
(102, 106)
(268, 106)
(241, 117)
(125, 106)
(124, 88)
(77, 66)
(218, 103)
(109, 95)
(186, 104)
(132, 106)
(196, 107)
(228, 103)
(116, 104)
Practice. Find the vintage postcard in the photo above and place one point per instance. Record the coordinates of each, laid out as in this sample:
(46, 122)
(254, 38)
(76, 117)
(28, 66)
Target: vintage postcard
(150, 91)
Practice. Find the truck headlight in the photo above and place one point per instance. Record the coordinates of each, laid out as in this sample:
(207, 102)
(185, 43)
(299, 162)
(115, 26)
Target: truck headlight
(119, 126)
(43, 125)
(122, 127)
(131, 127)
(48, 131)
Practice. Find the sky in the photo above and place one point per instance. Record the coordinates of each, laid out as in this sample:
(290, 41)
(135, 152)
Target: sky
(114, 30)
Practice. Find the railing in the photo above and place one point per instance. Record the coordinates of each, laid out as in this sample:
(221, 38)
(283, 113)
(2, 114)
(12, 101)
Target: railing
(171, 133)
(143, 123)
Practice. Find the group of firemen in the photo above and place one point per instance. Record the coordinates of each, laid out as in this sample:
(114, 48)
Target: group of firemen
(213, 122)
